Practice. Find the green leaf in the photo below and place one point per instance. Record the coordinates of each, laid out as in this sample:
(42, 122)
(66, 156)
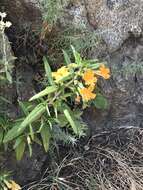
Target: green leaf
(5, 100)
(77, 56)
(19, 128)
(66, 58)
(63, 79)
(30, 149)
(23, 107)
(17, 142)
(92, 61)
(1, 135)
(100, 102)
(9, 77)
(95, 66)
(56, 111)
(26, 107)
(62, 120)
(71, 121)
(44, 92)
(48, 71)
(37, 140)
(20, 150)
(66, 95)
(48, 111)
(12, 133)
(31, 132)
(45, 134)
(33, 116)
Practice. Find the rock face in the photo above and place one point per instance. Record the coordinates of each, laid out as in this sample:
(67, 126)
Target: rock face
(120, 26)
(26, 170)
(116, 19)
(119, 23)
(124, 91)
(22, 12)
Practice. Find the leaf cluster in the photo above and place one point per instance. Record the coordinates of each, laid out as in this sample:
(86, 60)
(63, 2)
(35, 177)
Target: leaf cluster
(52, 114)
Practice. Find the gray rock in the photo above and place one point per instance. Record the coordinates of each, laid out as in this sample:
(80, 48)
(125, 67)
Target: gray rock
(115, 24)
(24, 84)
(124, 90)
(113, 20)
(26, 170)
(22, 13)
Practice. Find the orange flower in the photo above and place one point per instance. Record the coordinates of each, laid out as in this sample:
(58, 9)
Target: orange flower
(89, 77)
(87, 94)
(77, 99)
(91, 88)
(104, 72)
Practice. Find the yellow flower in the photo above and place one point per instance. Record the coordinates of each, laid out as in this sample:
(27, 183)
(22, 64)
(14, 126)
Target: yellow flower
(89, 77)
(12, 185)
(7, 184)
(87, 94)
(104, 72)
(62, 72)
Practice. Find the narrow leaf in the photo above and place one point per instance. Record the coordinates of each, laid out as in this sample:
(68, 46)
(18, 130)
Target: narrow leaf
(30, 149)
(1, 135)
(44, 92)
(31, 132)
(95, 66)
(77, 56)
(20, 150)
(33, 116)
(71, 121)
(23, 107)
(12, 133)
(45, 134)
(19, 128)
(17, 142)
(48, 71)
(66, 58)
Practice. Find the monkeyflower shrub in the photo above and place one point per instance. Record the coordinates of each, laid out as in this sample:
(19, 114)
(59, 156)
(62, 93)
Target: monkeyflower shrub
(57, 109)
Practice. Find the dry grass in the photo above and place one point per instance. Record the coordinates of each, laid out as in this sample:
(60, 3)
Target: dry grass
(112, 160)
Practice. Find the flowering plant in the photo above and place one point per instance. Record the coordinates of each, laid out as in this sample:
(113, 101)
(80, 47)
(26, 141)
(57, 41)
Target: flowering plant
(3, 24)
(80, 78)
(71, 87)
(6, 59)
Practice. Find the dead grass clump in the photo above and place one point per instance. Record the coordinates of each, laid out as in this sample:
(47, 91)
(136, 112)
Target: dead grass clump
(112, 160)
